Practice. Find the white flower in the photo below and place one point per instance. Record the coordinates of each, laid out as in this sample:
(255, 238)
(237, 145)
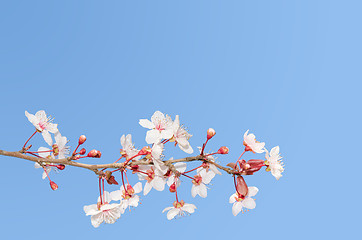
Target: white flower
(198, 186)
(128, 198)
(240, 202)
(251, 144)
(161, 127)
(181, 136)
(45, 153)
(274, 163)
(43, 124)
(180, 167)
(104, 212)
(60, 148)
(154, 178)
(210, 166)
(128, 147)
(179, 208)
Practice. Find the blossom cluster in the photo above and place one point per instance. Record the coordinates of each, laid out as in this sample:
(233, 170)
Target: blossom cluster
(150, 166)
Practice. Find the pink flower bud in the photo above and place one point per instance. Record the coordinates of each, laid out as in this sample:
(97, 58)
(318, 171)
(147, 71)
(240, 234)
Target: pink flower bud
(82, 139)
(172, 187)
(53, 185)
(223, 150)
(61, 166)
(241, 187)
(210, 133)
(93, 153)
(99, 154)
(82, 151)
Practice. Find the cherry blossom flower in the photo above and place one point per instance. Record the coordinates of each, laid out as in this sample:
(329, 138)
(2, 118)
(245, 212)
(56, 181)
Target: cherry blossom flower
(154, 178)
(240, 201)
(274, 163)
(179, 209)
(198, 186)
(103, 211)
(210, 166)
(43, 124)
(180, 167)
(181, 136)
(160, 125)
(251, 144)
(128, 148)
(60, 148)
(128, 198)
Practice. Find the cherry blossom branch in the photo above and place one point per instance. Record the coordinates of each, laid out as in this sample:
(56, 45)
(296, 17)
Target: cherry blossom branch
(95, 167)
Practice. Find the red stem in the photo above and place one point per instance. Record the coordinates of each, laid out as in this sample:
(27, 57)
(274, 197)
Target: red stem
(188, 176)
(193, 169)
(203, 147)
(100, 191)
(30, 138)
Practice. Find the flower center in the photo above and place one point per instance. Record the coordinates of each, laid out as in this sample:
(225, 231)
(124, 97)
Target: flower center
(197, 180)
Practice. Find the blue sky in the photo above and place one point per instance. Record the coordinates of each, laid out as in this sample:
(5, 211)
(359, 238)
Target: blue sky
(290, 71)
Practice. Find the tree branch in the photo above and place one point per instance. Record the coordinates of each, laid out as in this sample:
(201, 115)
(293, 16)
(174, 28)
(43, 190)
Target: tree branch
(95, 167)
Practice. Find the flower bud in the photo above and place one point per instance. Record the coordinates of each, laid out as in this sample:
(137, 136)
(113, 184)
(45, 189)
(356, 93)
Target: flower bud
(99, 154)
(210, 133)
(82, 139)
(60, 166)
(172, 187)
(223, 150)
(53, 185)
(82, 151)
(93, 153)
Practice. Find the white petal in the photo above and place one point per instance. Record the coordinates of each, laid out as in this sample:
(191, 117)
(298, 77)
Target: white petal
(236, 208)
(90, 208)
(32, 119)
(137, 187)
(190, 208)
(147, 188)
(158, 184)
(41, 116)
(157, 116)
(232, 198)
(123, 141)
(187, 149)
(133, 201)
(146, 123)
(248, 203)
(172, 213)
(96, 220)
(274, 151)
(194, 190)
(202, 189)
(116, 195)
(180, 166)
(252, 191)
(47, 137)
(166, 209)
(167, 133)
(214, 169)
(206, 176)
(51, 127)
(176, 124)
(153, 136)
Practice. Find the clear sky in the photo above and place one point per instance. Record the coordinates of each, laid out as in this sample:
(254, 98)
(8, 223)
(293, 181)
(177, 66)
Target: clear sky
(290, 71)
